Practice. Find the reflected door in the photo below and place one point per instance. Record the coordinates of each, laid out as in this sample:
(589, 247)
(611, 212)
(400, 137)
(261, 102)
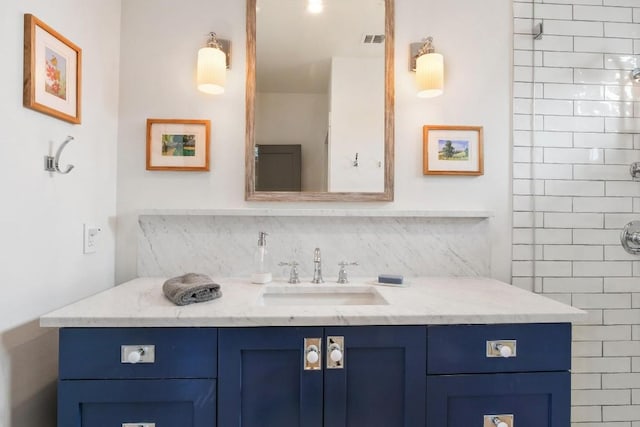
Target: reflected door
(278, 167)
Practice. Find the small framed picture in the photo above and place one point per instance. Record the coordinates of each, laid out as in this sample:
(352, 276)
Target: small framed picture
(452, 150)
(52, 71)
(179, 145)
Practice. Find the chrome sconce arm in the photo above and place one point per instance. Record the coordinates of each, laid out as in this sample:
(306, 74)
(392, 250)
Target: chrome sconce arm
(52, 164)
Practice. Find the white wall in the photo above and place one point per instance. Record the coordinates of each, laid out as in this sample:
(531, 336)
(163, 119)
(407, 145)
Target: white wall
(41, 261)
(357, 124)
(573, 192)
(297, 118)
(158, 80)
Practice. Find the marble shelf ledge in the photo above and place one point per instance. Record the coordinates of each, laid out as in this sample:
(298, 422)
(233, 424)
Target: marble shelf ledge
(382, 213)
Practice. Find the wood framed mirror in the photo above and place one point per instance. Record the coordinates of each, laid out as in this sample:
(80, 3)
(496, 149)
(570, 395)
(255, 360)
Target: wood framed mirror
(337, 108)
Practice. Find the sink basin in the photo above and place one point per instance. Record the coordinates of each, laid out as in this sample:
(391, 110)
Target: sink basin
(305, 295)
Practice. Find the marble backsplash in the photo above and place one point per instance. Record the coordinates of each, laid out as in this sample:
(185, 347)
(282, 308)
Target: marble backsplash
(223, 244)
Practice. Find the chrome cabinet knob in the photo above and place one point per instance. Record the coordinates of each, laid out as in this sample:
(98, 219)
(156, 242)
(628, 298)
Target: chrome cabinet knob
(138, 353)
(499, 423)
(336, 355)
(502, 348)
(135, 356)
(335, 352)
(505, 420)
(505, 350)
(313, 355)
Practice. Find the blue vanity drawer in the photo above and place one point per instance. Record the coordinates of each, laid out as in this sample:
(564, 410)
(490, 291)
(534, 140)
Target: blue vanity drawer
(539, 399)
(115, 403)
(96, 353)
(463, 349)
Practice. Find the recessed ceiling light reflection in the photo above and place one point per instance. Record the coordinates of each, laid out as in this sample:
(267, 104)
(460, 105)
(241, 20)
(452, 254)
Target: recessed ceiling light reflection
(315, 6)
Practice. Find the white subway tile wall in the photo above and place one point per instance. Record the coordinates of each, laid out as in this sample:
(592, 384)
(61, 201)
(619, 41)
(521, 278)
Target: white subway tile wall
(576, 131)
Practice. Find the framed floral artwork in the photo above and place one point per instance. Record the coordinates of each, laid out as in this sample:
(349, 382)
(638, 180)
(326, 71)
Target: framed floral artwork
(179, 145)
(52, 71)
(452, 150)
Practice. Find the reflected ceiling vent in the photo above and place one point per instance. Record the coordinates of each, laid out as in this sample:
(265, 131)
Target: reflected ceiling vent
(372, 38)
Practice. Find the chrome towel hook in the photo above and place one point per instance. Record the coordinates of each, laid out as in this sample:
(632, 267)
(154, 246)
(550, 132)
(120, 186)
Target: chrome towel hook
(52, 164)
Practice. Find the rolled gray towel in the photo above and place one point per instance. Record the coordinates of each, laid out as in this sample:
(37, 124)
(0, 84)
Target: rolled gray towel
(190, 288)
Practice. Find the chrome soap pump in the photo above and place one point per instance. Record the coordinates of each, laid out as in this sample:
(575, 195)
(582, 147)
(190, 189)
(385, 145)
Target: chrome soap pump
(262, 261)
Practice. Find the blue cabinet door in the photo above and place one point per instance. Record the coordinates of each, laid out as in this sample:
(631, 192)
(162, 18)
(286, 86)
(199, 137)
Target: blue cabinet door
(163, 403)
(383, 380)
(262, 381)
(539, 399)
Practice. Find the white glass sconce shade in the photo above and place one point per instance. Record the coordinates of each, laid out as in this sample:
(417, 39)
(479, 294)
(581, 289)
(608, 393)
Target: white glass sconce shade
(430, 75)
(212, 70)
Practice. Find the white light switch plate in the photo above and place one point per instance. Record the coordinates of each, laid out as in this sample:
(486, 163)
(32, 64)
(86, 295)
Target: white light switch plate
(90, 239)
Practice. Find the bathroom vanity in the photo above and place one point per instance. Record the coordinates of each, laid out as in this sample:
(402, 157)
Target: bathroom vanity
(438, 352)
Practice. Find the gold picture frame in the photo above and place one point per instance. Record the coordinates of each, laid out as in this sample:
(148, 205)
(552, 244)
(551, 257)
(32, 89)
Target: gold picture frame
(52, 72)
(452, 150)
(178, 144)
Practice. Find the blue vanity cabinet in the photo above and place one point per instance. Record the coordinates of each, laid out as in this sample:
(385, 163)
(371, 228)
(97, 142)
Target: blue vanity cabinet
(382, 383)
(262, 382)
(470, 383)
(171, 382)
(379, 380)
(334, 376)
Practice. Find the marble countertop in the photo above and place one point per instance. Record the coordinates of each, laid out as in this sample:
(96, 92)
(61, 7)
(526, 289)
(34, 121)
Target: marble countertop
(422, 301)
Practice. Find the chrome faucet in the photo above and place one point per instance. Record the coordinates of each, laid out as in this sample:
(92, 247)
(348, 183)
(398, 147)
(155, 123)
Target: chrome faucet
(317, 267)
(342, 274)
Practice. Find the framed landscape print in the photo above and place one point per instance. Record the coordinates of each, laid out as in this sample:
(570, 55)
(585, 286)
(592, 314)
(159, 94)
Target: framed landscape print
(52, 72)
(452, 150)
(179, 145)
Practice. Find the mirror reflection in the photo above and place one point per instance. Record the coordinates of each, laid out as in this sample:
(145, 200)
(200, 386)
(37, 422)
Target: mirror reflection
(320, 96)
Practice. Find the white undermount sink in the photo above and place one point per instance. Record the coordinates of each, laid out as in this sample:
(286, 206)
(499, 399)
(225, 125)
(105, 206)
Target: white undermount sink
(308, 295)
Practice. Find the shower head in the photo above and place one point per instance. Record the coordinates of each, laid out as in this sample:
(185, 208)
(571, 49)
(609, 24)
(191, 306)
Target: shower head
(635, 75)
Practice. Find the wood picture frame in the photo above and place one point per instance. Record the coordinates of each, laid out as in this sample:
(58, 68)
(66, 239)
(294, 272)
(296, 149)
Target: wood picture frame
(178, 144)
(452, 150)
(52, 72)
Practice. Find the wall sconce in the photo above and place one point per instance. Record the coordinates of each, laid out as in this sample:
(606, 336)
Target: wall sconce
(429, 68)
(213, 61)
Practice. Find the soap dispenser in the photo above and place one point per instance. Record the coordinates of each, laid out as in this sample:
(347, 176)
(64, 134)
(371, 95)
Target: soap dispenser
(262, 261)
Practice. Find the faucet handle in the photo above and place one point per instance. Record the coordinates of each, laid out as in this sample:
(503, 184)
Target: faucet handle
(342, 274)
(294, 277)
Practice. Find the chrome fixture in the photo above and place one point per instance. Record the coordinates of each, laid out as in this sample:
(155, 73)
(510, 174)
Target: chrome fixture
(539, 31)
(294, 277)
(312, 354)
(630, 238)
(335, 352)
(634, 170)
(52, 164)
(317, 267)
(342, 274)
(499, 420)
(502, 348)
(132, 354)
(635, 75)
